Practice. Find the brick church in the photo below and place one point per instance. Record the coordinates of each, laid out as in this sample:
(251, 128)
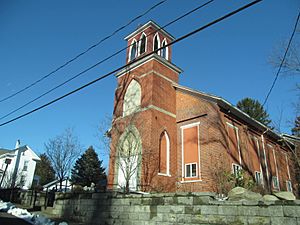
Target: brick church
(168, 138)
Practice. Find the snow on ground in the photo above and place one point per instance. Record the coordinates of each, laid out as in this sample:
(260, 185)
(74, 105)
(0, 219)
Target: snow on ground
(25, 215)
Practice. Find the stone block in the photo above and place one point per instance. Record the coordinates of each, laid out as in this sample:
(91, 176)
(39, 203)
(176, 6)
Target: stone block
(177, 209)
(258, 220)
(253, 211)
(197, 209)
(228, 210)
(209, 210)
(143, 216)
(184, 218)
(185, 200)
(171, 200)
(275, 210)
(283, 221)
(291, 211)
(163, 209)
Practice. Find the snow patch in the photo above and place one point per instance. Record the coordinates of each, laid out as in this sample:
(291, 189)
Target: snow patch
(25, 215)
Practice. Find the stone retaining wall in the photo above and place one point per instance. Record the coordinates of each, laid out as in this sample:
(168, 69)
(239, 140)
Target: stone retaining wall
(196, 208)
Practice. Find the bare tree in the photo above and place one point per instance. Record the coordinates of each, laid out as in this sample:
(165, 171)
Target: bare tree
(8, 179)
(62, 151)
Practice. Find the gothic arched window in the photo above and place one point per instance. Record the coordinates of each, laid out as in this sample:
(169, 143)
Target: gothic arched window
(132, 98)
(164, 50)
(156, 43)
(133, 50)
(164, 154)
(143, 41)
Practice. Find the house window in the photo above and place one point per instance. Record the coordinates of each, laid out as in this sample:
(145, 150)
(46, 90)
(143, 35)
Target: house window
(164, 50)
(164, 154)
(236, 169)
(143, 44)
(258, 178)
(132, 98)
(275, 182)
(190, 139)
(133, 51)
(156, 43)
(289, 186)
(22, 180)
(25, 167)
(191, 170)
(233, 143)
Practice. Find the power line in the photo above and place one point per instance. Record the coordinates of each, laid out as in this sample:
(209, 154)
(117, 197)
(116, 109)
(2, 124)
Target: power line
(82, 53)
(283, 59)
(102, 61)
(128, 64)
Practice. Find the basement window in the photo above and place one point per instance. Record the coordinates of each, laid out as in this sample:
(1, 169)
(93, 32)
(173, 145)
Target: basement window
(191, 170)
(275, 182)
(236, 169)
(258, 178)
(289, 186)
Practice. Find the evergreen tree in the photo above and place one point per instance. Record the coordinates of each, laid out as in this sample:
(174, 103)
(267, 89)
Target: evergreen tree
(44, 170)
(255, 110)
(88, 169)
(296, 128)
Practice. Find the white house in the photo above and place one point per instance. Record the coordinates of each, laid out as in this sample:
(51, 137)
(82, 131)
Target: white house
(17, 166)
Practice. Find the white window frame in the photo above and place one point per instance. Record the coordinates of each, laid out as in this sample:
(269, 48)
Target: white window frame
(167, 49)
(289, 186)
(158, 40)
(136, 52)
(191, 166)
(273, 184)
(237, 138)
(168, 156)
(239, 168)
(182, 153)
(260, 177)
(259, 158)
(25, 166)
(275, 162)
(140, 43)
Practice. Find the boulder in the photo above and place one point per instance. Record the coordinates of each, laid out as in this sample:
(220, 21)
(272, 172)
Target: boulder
(285, 195)
(239, 193)
(270, 198)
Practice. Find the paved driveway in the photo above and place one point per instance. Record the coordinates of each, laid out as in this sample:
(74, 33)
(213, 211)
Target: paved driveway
(8, 219)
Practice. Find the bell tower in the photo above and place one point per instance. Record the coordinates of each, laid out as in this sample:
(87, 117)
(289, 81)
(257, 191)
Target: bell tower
(144, 132)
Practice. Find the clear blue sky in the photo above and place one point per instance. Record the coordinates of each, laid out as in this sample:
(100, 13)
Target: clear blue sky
(229, 59)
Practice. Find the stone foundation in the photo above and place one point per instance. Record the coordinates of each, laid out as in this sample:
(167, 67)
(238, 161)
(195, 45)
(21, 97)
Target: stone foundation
(195, 208)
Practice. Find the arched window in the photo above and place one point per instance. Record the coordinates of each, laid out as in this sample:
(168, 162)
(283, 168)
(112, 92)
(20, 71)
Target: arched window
(156, 43)
(132, 98)
(164, 154)
(143, 41)
(133, 50)
(129, 153)
(164, 50)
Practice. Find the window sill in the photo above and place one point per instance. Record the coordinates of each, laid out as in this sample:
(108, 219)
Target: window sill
(163, 174)
(190, 181)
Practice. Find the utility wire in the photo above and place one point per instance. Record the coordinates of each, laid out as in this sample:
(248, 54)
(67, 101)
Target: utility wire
(130, 63)
(82, 53)
(283, 60)
(102, 61)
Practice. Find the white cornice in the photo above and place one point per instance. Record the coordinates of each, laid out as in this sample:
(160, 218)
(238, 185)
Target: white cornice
(148, 24)
(142, 61)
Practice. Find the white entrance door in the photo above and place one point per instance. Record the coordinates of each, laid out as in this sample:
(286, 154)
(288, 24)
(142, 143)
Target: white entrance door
(128, 169)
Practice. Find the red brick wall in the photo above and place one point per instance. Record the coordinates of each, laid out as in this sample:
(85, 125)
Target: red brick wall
(215, 142)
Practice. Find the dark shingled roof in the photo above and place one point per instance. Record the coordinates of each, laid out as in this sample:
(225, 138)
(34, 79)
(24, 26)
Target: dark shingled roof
(3, 151)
